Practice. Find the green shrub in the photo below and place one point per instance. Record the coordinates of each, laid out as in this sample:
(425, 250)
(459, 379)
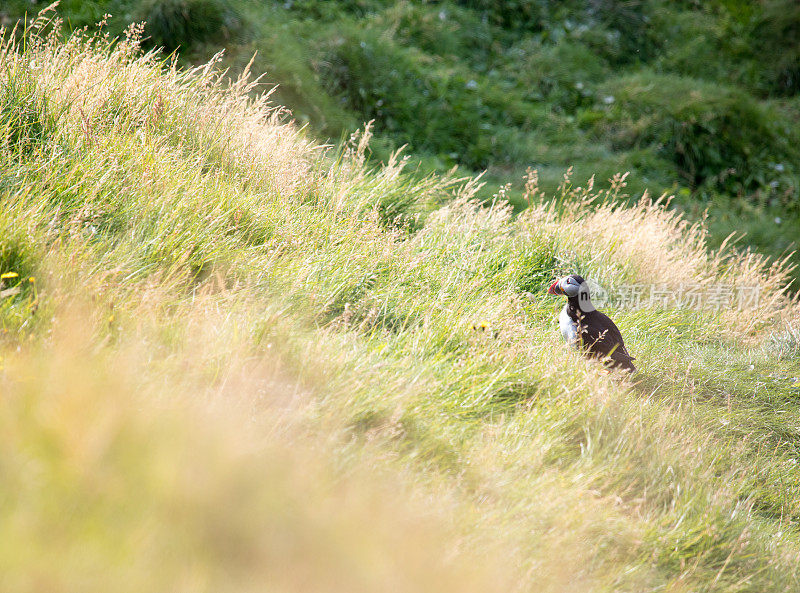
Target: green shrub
(690, 34)
(75, 13)
(713, 134)
(515, 15)
(438, 29)
(775, 37)
(449, 111)
(80, 13)
(330, 10)
(563, 74)
(174, 24)
(618, 30)
(747, 43)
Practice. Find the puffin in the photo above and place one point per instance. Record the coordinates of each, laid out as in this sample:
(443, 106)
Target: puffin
(587, 329)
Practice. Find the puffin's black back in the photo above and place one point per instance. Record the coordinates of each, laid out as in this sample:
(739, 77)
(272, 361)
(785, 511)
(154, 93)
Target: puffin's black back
(601, 337)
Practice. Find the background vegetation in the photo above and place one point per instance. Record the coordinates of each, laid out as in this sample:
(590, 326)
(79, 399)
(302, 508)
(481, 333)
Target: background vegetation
(230, 356)
(696, 99)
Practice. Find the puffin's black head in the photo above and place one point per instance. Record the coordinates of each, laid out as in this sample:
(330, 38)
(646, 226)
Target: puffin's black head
(568, 286)
(576, 290)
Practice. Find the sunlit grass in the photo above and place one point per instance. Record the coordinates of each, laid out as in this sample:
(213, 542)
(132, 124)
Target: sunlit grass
(248, 359)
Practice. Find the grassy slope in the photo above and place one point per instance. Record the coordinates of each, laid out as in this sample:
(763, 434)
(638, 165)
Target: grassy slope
(228, 352)
(683, 95)
(696, 99)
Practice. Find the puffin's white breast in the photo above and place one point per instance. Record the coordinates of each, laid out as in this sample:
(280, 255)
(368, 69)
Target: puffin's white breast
(569, 329)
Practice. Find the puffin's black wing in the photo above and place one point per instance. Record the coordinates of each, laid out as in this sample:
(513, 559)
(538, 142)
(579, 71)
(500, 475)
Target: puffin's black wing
(602, 337)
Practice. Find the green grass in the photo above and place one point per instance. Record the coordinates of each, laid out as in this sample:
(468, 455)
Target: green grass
(692, 98)
(244, 352)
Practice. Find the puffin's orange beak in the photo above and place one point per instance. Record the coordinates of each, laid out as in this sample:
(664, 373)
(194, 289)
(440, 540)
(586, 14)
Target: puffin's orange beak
(555, 288)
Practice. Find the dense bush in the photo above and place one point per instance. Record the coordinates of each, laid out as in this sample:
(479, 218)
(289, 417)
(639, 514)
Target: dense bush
(620, 31)
(330, 9)
(754, 44)
(687, 35)
(516, 15)
(776, 33)
(563, 74)
(417, 101)
(439, 29)
(713, 134)
(174, 24)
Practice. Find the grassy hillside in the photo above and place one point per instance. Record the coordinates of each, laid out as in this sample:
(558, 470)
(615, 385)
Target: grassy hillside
(231, 358)
(696, 99)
